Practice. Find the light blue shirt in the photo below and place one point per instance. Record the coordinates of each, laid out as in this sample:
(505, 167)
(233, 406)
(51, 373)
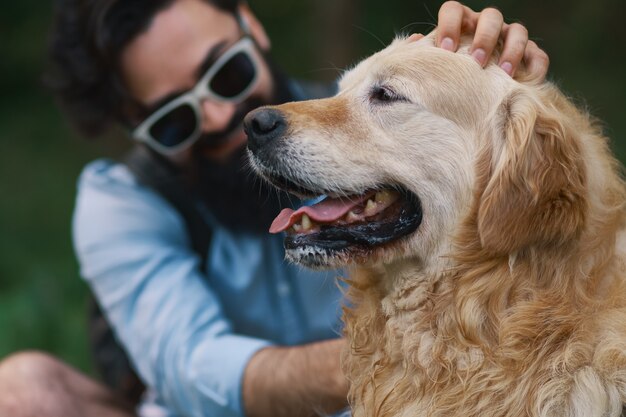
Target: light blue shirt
(190, 333)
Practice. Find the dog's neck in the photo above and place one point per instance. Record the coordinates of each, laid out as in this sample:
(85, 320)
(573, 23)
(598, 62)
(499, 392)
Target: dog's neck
(404, 321)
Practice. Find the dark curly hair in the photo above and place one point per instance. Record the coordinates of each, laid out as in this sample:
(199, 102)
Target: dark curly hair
(85, 44)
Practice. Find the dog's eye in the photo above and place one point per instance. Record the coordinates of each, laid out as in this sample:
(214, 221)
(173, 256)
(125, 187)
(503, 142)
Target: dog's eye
(384, 95)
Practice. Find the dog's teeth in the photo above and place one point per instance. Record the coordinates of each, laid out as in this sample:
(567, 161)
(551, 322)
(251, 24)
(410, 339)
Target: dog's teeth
(297, 227)
(370, 208)
(382, 196)
(386, 197)
(306, 222)
(352, 217)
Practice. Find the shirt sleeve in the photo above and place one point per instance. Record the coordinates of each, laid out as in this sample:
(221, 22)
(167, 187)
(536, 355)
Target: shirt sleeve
(134, 253)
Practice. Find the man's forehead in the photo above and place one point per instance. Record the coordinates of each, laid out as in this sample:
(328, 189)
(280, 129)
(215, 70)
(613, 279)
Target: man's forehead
(167, 57)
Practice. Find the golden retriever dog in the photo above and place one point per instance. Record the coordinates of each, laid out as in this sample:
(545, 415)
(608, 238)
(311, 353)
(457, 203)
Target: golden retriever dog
(482, 220)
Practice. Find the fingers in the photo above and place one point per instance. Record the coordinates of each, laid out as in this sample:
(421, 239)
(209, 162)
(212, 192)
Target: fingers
(537, 61)
(455, 18)
(515, 42)
(450, 22)
(488, 27)
(487, 34)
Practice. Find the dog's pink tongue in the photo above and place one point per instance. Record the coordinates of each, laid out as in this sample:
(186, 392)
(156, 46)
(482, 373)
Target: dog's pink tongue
(326, 211)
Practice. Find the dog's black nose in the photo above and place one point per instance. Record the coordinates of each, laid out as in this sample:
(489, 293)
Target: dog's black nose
(263, 126)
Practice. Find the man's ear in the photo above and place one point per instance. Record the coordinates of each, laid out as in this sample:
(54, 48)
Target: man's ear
(536, 192)
(255, 27)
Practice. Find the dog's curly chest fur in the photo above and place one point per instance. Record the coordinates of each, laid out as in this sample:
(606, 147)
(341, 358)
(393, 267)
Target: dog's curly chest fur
(415, 352)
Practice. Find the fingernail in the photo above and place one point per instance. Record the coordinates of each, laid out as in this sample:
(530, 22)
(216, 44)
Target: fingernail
(447, 44)
(479, 55)
(507, 67)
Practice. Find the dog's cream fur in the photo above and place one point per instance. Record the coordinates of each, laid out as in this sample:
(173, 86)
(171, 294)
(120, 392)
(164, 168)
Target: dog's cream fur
(510, 299)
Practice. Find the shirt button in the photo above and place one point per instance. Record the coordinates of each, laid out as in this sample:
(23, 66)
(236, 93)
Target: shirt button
(283, 289)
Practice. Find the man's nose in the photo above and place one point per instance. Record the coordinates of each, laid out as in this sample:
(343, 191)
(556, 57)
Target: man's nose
(217, 115)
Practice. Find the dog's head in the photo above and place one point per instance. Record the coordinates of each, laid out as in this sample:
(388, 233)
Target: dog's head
(417, 140)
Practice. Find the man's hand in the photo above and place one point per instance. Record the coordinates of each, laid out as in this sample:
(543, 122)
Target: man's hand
(488, 26)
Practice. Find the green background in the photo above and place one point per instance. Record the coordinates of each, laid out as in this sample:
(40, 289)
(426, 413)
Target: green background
(42, 299)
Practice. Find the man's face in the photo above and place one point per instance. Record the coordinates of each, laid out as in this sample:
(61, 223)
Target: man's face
(169, 58)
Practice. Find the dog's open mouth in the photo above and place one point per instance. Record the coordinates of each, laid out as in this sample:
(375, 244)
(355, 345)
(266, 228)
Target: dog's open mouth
(348, 225)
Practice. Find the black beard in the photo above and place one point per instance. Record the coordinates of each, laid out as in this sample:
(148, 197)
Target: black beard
(237, 198)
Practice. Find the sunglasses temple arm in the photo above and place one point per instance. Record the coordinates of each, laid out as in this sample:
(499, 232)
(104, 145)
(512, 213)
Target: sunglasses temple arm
(243, 23)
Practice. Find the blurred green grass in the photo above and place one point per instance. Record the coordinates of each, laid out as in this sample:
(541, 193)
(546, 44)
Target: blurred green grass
(42, 299)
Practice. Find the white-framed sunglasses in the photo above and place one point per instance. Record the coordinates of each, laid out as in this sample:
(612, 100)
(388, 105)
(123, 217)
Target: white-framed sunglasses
(177, 125)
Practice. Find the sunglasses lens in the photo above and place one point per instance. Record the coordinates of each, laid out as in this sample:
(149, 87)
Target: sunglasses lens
(234, 77)
(175, 127)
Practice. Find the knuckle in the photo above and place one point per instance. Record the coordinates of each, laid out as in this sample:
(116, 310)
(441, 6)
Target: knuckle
(449, 7)
(518, 28)
(450, 4)
(490, 24)
(537, 53)
(448, 12)
(493, 13)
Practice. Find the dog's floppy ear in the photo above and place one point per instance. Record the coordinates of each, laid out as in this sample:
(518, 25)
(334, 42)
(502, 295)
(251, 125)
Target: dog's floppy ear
(535, 192)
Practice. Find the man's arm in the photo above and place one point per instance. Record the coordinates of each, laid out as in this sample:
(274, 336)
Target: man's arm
(134, 253)
(299, 381)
